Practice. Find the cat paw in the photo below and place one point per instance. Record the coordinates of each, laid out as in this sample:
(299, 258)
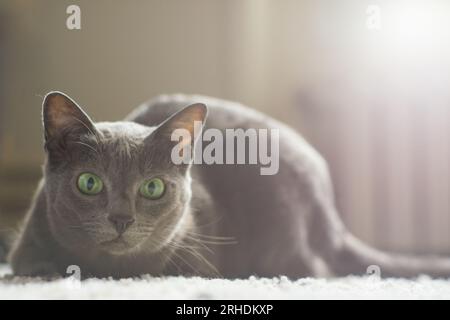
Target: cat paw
(43, 270)
(2, 253)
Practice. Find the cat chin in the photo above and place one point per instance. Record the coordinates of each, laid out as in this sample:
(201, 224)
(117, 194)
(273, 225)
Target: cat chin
(118, 247)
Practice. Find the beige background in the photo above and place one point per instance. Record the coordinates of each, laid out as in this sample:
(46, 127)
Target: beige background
(374, 102)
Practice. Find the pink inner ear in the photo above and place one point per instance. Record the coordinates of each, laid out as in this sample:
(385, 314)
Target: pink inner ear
(188, 118)
(60, 118)
(61, 112)
(183, 124)
(186, 140)
(57, 110)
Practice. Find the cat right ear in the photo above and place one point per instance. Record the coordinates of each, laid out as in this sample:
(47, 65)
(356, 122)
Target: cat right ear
(64, 119)
(178, 134)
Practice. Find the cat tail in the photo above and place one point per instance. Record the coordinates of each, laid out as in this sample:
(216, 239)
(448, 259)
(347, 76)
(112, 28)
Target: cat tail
(6, 240)
(8, 236)
(344, 254)
(356, 257)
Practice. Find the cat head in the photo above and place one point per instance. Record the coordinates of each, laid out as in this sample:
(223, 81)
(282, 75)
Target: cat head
(112, 186)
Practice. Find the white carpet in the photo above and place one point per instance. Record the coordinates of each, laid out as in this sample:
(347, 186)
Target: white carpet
(252, 288)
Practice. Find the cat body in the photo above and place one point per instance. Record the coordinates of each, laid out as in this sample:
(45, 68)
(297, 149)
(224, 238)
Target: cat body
(224, 220)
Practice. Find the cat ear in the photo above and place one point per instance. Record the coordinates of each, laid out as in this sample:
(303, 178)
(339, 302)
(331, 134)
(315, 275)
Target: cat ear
(61, 115)
(180, 130)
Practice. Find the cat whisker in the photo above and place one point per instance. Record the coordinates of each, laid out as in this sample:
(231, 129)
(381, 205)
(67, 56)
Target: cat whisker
(193, 250)
(206, 261)
(212, 242)
(202, 244)
(175, 254)
(209, 236)
(170, 260)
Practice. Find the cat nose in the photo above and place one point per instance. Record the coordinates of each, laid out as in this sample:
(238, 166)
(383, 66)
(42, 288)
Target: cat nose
(121, 222)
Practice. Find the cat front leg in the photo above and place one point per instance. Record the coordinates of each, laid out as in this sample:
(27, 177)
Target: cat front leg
(28, 260)
(41, 269)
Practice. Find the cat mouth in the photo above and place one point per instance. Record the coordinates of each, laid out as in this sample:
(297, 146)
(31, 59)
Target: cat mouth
(118, 242)
(118, 245)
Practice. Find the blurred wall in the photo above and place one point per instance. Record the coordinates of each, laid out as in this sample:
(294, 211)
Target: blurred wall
(373, 102)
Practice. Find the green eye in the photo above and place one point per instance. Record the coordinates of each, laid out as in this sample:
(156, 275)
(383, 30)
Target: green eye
(152, 189)
(90, 184)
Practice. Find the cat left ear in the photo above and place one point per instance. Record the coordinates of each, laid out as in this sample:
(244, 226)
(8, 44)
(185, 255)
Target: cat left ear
(61, 115)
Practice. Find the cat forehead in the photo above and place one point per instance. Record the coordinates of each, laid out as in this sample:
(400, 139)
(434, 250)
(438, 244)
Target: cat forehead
(123, 130)
(124, 140)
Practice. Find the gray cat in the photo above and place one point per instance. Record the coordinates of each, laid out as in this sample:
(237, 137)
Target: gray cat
(2, 249)
(112, 202)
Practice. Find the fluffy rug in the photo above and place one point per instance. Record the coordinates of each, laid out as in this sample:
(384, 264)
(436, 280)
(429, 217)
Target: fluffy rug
(148, 287)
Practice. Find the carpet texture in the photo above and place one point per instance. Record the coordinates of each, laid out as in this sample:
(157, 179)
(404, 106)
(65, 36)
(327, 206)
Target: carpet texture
(148, 287)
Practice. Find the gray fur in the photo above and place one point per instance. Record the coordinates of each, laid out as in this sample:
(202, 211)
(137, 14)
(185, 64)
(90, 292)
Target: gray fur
(215, 220)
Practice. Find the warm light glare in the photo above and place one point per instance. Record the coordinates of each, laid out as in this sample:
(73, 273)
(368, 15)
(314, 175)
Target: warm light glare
(417, 26)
